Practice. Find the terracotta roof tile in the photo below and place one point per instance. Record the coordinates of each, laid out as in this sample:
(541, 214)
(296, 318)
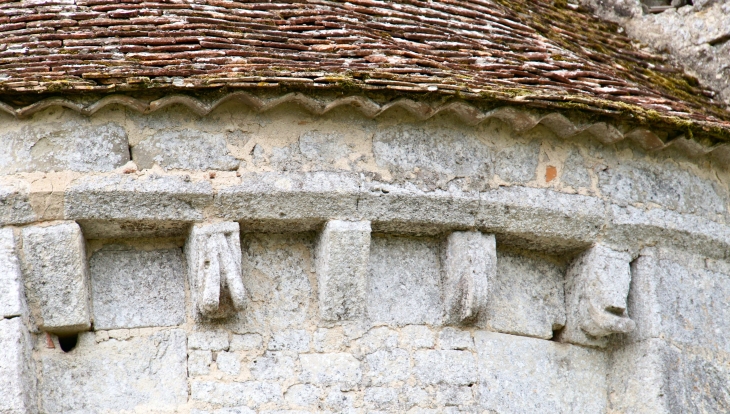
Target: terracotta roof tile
(533, 52)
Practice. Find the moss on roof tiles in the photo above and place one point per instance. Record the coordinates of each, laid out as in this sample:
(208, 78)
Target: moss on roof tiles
(534, 53)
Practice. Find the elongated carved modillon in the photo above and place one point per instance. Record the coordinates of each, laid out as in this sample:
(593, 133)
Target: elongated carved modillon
(596, 290)
(214, 268)
(469, 263)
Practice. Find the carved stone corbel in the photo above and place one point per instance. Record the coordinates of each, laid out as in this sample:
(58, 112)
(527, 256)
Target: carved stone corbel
(213, 254)
(469, 263)
(596, 290)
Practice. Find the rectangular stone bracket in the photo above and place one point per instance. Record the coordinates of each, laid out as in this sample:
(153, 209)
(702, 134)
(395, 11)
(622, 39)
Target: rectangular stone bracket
(57, 277)
(469, 265)
(596, 289)
(213, 252)
(12, 297)
(342, 265)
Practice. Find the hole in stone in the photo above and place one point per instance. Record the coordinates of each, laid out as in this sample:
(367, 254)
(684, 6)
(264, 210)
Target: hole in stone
(68, 342)
(557, 329)
(616, 311)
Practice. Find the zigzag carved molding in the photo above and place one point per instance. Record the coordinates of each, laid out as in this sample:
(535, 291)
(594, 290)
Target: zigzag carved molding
(521, 121)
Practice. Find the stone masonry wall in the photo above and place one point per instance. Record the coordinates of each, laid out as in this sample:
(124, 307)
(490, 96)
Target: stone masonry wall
(107, 209)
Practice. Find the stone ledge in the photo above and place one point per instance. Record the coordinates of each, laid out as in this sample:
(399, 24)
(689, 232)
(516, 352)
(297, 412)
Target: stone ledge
(109, 206)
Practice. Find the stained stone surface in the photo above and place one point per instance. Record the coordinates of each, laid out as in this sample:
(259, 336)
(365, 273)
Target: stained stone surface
(12, 297)
(404, 281)
(56, 275)
(75, 146)
(527, 296)
(520, 375)
(17, 372)
(185, 149)
(140, 373)
(136, 288)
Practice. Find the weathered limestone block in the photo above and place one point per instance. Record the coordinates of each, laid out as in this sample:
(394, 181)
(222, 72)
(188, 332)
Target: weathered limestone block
(469, 267)
(278, 271)
(407, 209)
(385, 366)
(403, 286)
(437, 155)
(664, 184)
(214, 269)
(199, 362)
(250, 393)
(453, 338)
(17, 374)
(633, 226)
(145, 372)
(76, 146)
(323, 148)
(331, 369)
(247, 342)
(654, 377)
(596, 289)
(682, 297)
(209, 340)
(541, 219)
(296, 340)
(186, 150)
(12, 297)
(124, 197)
(228, 363)
(137, 288)
(381, 398)
(445, 367)
(528, 375)
(274, 366)
(15, 206)
(342, 264)
(302, 395)
(518, 163)
(575, 172)
(306, 199)
(527, 296)
(56, 275)
(416, 336)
